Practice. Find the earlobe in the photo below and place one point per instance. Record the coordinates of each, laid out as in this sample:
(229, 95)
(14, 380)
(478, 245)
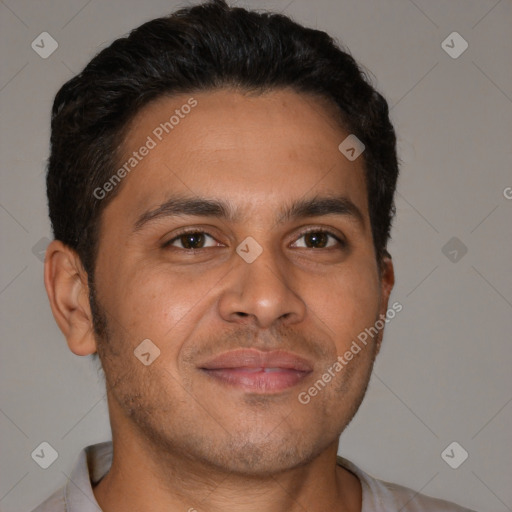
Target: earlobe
(66, 285)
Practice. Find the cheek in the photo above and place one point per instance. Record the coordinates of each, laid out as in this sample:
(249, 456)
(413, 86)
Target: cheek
(347, 304)
(157, 303)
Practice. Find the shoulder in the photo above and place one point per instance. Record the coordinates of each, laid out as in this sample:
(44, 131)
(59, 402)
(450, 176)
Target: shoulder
(92, 464)
(55, 503)
(381, 495)
(408, 500)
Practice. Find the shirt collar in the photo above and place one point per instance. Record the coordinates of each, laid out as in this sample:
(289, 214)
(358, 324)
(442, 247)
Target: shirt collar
(92, 465)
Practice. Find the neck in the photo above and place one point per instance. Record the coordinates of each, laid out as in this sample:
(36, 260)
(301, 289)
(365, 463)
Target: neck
(140, 475)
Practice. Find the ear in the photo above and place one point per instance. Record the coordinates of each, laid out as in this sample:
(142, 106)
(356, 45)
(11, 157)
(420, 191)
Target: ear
(387, 281)
(66, 285)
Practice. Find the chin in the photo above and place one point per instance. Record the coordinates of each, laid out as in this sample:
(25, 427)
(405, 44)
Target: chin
(263, 457)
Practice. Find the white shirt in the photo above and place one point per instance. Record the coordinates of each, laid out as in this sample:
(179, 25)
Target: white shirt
(94, 462)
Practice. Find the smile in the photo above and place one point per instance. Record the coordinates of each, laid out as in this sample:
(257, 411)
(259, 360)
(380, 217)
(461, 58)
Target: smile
(257, 371)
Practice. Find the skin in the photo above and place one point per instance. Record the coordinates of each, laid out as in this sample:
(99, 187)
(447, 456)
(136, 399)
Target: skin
(182, 440)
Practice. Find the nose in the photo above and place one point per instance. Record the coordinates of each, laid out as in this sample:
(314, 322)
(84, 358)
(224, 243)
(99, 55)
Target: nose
(261, 293)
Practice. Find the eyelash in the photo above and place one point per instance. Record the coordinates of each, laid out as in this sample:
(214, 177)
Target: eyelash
(342, 244)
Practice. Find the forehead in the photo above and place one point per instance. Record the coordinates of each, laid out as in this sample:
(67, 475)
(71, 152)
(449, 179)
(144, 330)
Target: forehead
(255, 150)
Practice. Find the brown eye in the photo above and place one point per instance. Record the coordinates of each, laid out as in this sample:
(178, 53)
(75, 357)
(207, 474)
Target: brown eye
(190, 240)
(316, 240)
(319, 239)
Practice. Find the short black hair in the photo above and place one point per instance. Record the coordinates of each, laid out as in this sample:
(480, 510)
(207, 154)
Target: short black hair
(204, 48)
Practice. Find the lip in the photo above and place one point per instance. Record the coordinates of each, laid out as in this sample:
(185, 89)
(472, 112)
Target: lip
(258, 371)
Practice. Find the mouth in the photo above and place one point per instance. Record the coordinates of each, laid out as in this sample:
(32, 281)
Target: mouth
(256, 371)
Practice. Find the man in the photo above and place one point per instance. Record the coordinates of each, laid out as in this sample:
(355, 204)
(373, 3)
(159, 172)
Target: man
(221, 188)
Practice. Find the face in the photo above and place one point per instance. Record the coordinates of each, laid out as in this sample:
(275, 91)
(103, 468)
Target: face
(248, 308)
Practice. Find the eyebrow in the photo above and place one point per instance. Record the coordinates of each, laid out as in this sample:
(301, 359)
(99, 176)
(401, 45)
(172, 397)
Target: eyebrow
(203, 207)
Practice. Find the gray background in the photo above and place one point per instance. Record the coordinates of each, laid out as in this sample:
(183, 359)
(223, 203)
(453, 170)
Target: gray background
(443, 374)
